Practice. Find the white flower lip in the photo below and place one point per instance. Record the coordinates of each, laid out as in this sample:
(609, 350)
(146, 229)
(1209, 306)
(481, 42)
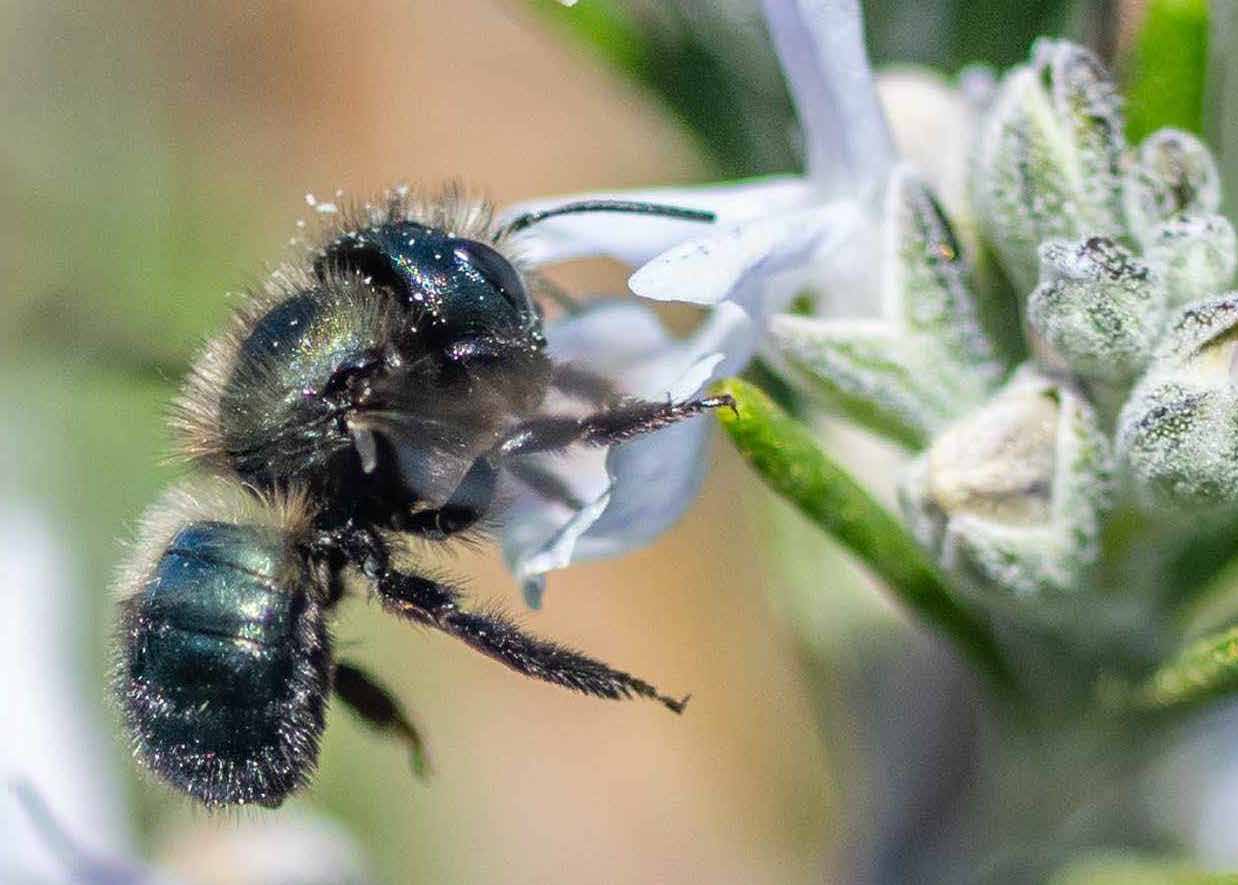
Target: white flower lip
(636, 239)
(710, 269)
(820, 44)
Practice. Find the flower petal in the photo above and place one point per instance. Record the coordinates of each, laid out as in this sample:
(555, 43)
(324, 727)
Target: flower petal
(647, 482)
(821, 46)
(713, 268)
(62, 808)
(634, 239)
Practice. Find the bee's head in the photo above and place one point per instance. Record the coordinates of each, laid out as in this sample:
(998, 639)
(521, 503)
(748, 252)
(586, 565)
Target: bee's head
(454, 287)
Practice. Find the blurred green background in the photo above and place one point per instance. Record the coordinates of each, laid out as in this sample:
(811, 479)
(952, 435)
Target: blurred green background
(155, 156)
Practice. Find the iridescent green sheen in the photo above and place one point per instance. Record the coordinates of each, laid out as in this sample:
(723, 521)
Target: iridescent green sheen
(273, 409)
(220, 623)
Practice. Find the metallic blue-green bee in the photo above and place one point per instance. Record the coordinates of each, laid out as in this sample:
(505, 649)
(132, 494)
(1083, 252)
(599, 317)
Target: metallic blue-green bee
(370, 393)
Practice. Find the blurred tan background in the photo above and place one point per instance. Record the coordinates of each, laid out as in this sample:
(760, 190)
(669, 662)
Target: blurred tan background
(156, 156)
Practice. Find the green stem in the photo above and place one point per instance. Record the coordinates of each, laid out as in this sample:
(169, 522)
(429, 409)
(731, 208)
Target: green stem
(788, 458)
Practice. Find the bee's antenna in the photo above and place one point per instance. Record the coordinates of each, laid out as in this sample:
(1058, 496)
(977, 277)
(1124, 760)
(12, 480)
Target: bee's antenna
(520, 222)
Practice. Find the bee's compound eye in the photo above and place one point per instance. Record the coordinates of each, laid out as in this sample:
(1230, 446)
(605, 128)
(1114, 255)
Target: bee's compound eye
(224, 670)
(495, 270)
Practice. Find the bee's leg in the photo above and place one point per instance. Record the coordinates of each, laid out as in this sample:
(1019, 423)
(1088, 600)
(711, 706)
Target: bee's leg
(468, 504)
(434, 604)
(604, 428)
(494, 634)
(374, 703)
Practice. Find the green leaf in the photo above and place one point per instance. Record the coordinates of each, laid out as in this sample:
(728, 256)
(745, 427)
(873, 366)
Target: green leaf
(1010, 499)
(1168, 69)
(926, 362)
(786, 455)
(1205, 670)
(926, 286)
(1097, 307)
(1049, 157)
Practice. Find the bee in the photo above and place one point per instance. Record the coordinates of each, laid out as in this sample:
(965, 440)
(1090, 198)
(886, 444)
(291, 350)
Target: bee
(371, 394)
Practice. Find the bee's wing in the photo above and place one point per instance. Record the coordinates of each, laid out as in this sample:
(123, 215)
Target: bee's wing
(432, 455)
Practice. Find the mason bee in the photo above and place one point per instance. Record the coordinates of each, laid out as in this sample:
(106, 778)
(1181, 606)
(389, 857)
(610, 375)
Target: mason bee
(371, 393)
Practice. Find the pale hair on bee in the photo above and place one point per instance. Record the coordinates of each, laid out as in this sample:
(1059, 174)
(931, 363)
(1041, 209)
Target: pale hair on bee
(290, 512)
(453, 207)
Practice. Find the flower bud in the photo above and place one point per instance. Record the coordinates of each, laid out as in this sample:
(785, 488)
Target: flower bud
(1010, 497)
(1194, 256)
(1173, 174)
(1178, 432)
(1049, 158)
(1098, 307)
(925, 286)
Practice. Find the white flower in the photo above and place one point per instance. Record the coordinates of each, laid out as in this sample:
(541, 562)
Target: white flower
(818, 224)
(771, 237)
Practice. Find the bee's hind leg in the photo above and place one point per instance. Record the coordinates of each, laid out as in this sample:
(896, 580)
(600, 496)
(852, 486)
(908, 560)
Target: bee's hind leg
(376, 706)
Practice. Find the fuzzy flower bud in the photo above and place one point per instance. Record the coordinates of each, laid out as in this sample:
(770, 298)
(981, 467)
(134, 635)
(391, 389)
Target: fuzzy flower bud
(1010, 498)
(1049, 158)
(1098, 307)
(1173, 174)
(1178, 433)
(1194, 256)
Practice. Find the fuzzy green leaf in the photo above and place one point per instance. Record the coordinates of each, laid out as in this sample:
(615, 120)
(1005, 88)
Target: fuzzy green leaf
(1176, 431)
(787, 456)
(1010, 498)
(1049, 157)
(1098, 307)
(905, 388)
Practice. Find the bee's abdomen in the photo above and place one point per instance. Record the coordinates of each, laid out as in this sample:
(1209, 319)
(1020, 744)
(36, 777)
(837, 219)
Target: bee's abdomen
(225, 666)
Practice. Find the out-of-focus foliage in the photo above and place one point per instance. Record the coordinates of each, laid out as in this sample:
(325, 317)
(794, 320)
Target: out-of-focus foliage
(1221, 95)
(711, 65)
(709, 62)
(1168, 68)
(1204, 671)
(948, 34)
(1120, 869)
